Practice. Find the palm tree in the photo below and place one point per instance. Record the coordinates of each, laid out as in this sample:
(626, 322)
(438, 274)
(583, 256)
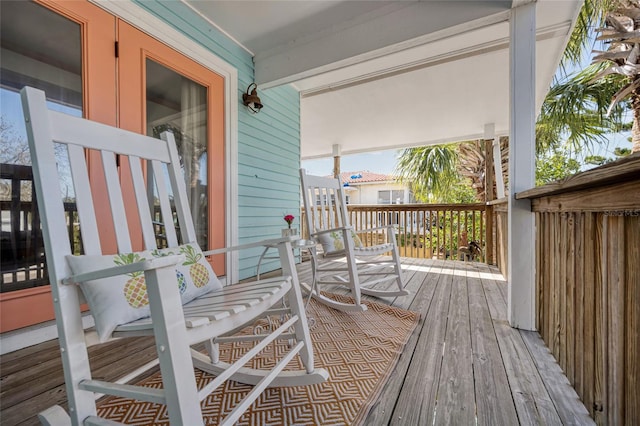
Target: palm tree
(441, 173)
(431, 170)
(622, 58)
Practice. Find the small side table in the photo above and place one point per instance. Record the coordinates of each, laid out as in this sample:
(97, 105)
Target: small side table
(303, 245)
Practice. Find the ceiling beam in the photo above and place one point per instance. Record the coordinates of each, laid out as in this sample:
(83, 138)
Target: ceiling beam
(557, 30)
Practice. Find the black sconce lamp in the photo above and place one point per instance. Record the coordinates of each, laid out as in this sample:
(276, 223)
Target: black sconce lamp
(251, 100)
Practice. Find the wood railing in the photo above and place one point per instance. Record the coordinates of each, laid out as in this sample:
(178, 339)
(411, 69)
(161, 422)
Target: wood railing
(22, 260)
(588, 285)
(422, 230)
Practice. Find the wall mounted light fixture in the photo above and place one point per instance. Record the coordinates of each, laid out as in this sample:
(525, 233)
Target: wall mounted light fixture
(251, 99)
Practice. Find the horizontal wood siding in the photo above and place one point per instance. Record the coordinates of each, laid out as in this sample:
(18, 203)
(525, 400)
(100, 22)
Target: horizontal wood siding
(268, 142)
(588, 289)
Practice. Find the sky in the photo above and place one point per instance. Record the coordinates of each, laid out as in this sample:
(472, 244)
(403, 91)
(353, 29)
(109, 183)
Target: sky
(383, 162)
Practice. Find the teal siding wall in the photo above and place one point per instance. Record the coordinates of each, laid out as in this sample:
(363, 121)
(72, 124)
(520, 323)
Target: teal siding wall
(268, 142)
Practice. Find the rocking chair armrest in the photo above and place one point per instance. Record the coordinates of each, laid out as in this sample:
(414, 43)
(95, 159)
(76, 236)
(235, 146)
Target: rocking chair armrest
(262, 243)
(144, 265)
(327, 231)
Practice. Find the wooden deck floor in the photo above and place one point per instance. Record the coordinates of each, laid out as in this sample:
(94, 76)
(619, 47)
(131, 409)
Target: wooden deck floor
(463, 365)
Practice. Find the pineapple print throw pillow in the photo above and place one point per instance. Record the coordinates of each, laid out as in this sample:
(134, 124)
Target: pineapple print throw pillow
(121, 299)
(332, 242)
(195, 275)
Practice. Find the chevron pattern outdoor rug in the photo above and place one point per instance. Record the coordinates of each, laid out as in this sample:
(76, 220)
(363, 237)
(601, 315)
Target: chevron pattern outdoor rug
(359, 350)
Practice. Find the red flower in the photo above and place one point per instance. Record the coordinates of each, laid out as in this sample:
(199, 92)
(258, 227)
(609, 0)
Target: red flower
(289, 219)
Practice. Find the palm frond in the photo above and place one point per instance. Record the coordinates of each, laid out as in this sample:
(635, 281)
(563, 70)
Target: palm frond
(429, 169)
(576, 110)
(592, 15)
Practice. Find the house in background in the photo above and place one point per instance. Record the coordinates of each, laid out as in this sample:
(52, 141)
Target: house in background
(365, 187)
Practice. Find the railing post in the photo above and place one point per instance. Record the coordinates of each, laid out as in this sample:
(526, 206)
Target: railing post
(489, 195)
(488, 257)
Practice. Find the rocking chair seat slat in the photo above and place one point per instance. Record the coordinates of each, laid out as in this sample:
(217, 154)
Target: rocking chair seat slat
(366, 251)
(373, 250)
(218, 305)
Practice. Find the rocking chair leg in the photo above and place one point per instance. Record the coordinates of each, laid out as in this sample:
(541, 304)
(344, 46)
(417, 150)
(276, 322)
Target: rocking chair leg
(354, 279)
(181, 392)
(301, 328)
(398, 268)
(213, 349)
(54, 416)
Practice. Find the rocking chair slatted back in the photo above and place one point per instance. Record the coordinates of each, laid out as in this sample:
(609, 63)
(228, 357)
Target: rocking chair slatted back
(86, 214)
(327, 197)
(116, 201)
(188, 232)
(142, 202)
(79, 150)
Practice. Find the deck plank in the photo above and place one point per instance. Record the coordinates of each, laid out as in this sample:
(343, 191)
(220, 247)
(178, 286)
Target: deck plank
(493, 397)
(104, 363)
(417, 400)
(570, 409)
(422, 285)
(533, 404)
(456, 399)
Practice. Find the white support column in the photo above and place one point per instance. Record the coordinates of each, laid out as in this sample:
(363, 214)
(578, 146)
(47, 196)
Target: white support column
(521, 243)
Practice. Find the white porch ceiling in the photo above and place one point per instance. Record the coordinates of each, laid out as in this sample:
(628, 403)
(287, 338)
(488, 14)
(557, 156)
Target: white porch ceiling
(390, 74)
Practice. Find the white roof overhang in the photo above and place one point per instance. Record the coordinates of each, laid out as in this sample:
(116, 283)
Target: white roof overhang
(377, 75)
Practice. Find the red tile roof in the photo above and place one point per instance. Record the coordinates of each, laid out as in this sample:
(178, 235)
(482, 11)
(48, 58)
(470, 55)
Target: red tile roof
(364, 176)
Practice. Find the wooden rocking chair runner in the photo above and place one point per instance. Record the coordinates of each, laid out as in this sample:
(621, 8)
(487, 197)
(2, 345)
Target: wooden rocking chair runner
(174, 285)
(328, 223)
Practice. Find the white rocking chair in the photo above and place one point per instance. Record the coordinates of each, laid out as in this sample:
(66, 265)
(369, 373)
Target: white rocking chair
(345, 259)
(211, 317)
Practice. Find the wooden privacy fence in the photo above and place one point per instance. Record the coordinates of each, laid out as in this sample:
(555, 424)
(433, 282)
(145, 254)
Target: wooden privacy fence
(588, 285)
(422, 230)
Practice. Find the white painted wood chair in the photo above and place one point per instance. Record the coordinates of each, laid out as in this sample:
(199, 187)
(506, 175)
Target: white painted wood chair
(211, 317)
(345, 260)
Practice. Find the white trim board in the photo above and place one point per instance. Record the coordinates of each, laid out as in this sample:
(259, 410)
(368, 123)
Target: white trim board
(160, 30)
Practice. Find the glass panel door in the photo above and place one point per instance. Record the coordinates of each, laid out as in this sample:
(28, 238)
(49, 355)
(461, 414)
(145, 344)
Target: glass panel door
(44, 44)
(178, 104)
(48, 56)
(188, 98)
